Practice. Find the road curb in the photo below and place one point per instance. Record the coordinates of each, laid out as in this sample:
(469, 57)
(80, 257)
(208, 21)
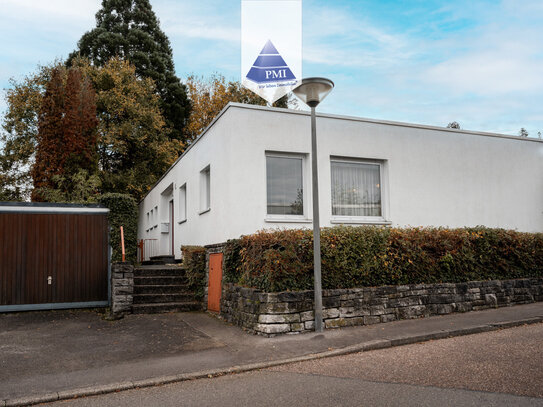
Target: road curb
(360, 347)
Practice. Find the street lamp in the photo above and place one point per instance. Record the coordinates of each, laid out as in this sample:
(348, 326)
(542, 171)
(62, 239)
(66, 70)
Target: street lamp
(312, 91)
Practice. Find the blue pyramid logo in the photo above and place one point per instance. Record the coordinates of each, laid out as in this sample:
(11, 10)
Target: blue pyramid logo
(269, 66)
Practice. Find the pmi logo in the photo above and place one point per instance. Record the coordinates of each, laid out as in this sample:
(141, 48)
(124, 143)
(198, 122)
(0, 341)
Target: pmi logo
(270, 66)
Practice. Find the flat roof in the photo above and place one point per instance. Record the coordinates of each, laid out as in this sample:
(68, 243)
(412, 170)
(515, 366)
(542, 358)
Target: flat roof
(385, 122)
(338, 117)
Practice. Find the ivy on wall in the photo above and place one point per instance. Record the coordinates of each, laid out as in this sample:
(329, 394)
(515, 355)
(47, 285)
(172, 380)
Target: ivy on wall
(123, 211)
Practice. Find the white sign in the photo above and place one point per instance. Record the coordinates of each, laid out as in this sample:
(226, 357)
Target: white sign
(271, 46)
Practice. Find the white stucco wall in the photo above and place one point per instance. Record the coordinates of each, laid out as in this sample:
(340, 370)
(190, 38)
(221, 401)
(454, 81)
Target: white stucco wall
(432, 176)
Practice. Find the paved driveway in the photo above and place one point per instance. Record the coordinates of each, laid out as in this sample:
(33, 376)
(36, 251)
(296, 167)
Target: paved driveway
(48, 346)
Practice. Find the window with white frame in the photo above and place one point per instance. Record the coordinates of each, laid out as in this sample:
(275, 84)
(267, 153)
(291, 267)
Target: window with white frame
(205, 190)
(356, 189)
(183, 203)
(285, 184)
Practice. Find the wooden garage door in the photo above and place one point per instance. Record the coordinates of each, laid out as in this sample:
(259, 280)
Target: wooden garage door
(53, 260)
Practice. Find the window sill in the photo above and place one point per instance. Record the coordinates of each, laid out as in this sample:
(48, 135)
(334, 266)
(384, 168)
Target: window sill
(181, 221)
(204, 211)
(288, 220)
(353, 221)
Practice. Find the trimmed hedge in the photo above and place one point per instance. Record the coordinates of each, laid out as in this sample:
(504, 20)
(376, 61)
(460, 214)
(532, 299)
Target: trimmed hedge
(194, 262)
(373, 256)
(123, 211)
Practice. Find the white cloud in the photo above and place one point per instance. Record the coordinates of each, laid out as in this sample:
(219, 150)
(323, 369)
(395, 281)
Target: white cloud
(210, 20)
(51, 14)
(337, 37)
(198, 29)
(500, 61)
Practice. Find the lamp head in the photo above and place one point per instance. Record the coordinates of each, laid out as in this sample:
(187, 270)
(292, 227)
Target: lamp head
(312, 91)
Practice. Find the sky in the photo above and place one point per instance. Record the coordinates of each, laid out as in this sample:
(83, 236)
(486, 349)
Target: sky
(476, 62)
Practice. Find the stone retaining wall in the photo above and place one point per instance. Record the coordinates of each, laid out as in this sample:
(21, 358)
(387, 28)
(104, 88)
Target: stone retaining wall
(122, 288)
(292, 311)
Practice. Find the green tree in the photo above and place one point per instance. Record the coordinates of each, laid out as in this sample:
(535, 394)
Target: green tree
(523, 132)
(76, 188)
(19, 131)
(129, 29)
(132, 146)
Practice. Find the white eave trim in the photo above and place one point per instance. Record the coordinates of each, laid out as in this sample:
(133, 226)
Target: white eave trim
(50, 209)
(384, 122)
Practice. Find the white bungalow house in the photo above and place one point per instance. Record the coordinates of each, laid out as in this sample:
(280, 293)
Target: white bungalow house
(250, 170)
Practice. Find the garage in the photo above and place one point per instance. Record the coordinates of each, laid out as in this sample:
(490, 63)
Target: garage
(53, 256)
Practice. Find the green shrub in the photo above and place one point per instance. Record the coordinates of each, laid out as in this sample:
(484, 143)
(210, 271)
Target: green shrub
(232, 261)
(194, 262)
(372, 256)
(123, 211)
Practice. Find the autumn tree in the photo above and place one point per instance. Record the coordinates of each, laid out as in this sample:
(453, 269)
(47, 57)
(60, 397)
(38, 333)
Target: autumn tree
(19, 130)
(49, 137)
(66, 138)
(210, 96)
(80, 123)
(129, 29)
(132, 148)
(134, 151)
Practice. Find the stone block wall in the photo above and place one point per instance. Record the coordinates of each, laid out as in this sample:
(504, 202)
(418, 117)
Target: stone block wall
(292, 311)
(122, 288)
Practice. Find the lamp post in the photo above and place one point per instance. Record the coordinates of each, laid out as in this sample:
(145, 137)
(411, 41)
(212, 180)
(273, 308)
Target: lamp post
(312, 91)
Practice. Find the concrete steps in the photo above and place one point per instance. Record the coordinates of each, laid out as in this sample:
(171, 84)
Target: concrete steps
(166, 307)
(157, 271)
(162, 298)
(160, 280)
(160, 260)
(162, 288)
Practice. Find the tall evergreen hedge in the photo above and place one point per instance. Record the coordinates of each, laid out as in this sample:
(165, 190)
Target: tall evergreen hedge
(194, 262)
(123, 212)
(374, 256)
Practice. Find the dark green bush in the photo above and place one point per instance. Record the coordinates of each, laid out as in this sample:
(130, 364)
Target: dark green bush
(232, 258)
(373, 256)
(123, 211)
(194, 262)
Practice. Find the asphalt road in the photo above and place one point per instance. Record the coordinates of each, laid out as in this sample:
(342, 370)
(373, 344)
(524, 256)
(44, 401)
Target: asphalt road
(500, 368)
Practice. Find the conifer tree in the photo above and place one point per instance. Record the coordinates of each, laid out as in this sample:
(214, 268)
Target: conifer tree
(129, 29)
(49, 137)
(66, 139)
(80, 122)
